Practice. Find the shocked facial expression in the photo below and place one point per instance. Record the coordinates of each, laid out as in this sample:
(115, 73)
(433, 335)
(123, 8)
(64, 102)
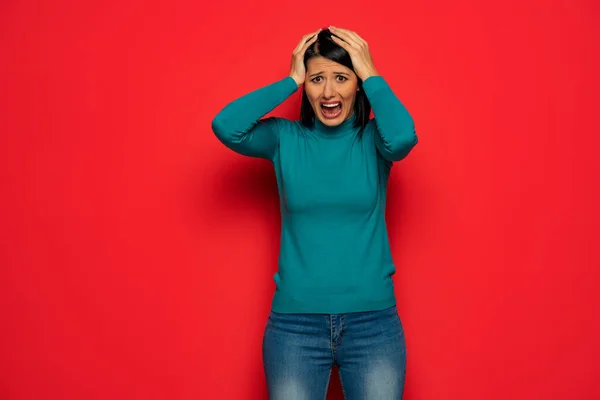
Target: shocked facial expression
(331, 90)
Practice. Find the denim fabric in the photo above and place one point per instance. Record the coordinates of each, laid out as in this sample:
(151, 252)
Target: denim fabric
(369, 349)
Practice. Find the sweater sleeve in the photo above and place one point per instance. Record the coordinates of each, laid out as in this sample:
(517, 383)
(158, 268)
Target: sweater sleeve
(395, 134)
(240, 124)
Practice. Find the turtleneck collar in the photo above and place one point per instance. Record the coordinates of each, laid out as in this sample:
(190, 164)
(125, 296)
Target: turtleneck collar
(335, 131)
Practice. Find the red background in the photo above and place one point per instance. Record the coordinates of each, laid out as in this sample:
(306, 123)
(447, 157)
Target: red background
(137, 253)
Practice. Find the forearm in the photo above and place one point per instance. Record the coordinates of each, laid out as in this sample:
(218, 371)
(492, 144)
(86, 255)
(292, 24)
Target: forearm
(238, 125)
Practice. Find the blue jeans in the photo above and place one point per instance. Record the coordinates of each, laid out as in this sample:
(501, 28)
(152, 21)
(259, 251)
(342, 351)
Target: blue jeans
(369, 349)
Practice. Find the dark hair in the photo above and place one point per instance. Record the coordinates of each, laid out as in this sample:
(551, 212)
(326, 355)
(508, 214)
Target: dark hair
(327, 48)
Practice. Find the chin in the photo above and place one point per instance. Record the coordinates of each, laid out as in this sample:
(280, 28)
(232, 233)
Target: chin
(332, 122)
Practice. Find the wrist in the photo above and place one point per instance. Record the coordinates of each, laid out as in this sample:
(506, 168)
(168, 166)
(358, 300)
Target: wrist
(367, 74)
(296, 79)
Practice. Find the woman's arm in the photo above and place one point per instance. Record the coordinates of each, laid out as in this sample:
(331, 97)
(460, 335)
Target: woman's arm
(240, 127)
(395, 135)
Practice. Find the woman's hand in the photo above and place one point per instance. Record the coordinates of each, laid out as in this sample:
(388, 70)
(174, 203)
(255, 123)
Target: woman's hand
(358, 49)
(297, 70)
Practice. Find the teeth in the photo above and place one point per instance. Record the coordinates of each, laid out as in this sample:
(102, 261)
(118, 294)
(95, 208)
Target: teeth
(331, 105)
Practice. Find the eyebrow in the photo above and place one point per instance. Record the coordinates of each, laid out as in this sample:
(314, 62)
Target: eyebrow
(320, 72)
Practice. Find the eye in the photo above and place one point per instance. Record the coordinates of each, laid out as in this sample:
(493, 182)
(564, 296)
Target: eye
(315, 79)
(341, 78)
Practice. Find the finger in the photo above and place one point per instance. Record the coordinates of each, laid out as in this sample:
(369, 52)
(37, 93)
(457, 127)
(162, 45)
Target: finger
(311, 41)
(305, 39)
(347, 38)
(312, 35)
(349, 35)
(344, 45)
(360, 40)
(308, 44)
(342, 30)
(356, 37)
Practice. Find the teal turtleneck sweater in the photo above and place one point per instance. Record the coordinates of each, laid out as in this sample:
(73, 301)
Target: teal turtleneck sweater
(335, 255)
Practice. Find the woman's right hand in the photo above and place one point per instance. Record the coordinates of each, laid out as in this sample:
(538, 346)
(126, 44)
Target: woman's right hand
(297, 70)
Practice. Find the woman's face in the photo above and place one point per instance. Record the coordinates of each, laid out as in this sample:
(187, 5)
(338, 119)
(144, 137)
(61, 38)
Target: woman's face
(331, 90)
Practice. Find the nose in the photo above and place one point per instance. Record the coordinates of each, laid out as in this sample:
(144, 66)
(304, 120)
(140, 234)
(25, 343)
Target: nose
(328, 90)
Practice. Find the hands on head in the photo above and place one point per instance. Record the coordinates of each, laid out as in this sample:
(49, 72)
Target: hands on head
(357, 48)
(297, 70)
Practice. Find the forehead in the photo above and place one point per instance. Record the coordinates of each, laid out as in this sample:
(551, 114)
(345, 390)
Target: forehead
(317, 64)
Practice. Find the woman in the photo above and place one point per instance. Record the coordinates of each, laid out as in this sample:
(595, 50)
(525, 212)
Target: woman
(334, 302)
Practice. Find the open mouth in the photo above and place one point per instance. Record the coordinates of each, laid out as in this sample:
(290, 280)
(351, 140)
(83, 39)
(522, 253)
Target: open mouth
(331, 110)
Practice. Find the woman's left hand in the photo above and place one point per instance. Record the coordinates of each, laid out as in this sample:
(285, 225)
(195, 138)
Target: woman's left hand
(358, 49)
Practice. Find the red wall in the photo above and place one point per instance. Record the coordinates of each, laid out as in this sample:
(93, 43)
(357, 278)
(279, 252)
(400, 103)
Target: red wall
(137, 253)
